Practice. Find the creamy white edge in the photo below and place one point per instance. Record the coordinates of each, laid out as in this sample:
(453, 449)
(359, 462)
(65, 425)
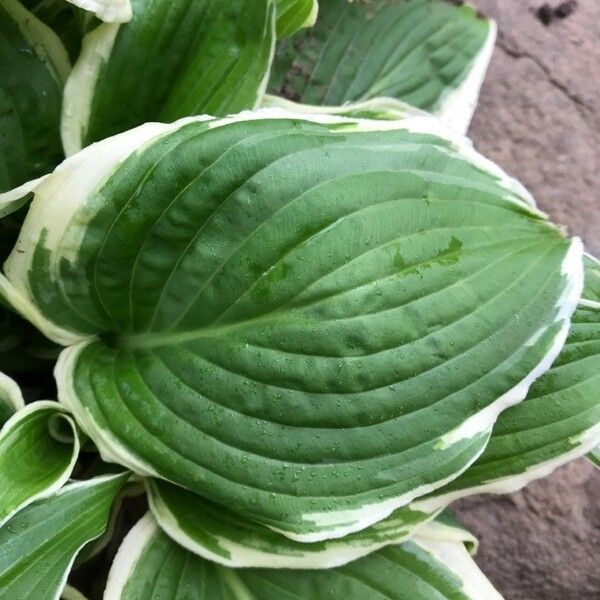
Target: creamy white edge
(130, 141)
(242, 556)
(397, 108)
(88, 483)
(111, 11)
(408, 118)
(589, 304)
(110, 449)
(582, 444)
(70, 593)
(314, 13)
(13, 199)
(10, 393)
(262, 87)
(572, 269)
(79, 89)
(128, 555)
(338, 522)
(442, 532)
(61, 194)
(14, 421)
(457, 105)
(455, 557)
(68, 187)
(45, 43)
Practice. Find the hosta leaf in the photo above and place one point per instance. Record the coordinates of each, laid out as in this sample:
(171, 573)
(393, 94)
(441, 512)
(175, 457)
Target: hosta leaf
(446, 528)
(181, 57)
(293, 15)
(310, 323)
(33, 462)
(558, 421)
(220, 535)
(33, 70)
(387, 109)
(11, 398)
(40, 542)
(150, 565)
(429, 53)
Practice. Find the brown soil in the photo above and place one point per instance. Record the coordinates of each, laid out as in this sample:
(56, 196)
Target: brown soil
(539, 117)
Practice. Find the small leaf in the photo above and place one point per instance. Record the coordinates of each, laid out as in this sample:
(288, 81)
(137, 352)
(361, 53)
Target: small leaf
(222, 536)
(40, 542)
(33, 462)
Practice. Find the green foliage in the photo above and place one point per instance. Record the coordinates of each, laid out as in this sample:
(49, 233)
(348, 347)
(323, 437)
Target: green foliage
(295, 334)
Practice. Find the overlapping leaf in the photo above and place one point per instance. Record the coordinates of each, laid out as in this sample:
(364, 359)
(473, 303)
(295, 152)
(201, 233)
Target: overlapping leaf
(310, 323)
(558, 421)
(149, 564)
(174, 58)
(33, 70)
(33, 462)
(220, 535)
(41, 541)
(429, 53)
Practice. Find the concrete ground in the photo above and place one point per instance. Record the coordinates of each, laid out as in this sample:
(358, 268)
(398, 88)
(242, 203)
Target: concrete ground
(539, 117)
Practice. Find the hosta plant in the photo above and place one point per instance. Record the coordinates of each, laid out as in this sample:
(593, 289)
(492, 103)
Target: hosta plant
(285, 330)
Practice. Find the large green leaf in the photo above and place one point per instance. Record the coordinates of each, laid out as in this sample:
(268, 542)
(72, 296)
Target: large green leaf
(33, 462)
(293, 15)
(429, 53)
(40, 542)
(174, 58)
(309, 323)
(33, 68)
(220, 535)
(150, 565)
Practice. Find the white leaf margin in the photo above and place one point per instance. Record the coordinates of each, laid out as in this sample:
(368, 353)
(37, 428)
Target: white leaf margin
(457, 105)
(79, 176)
(338, 552)
(111, 11)
(66, 189)
(455, 557)
(15, 421)
(452, 554)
